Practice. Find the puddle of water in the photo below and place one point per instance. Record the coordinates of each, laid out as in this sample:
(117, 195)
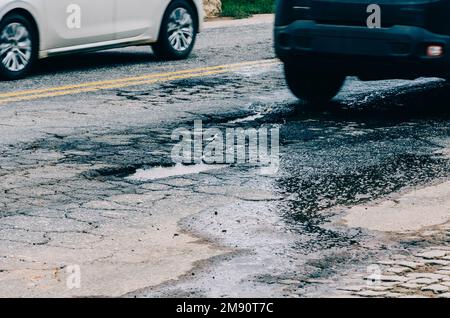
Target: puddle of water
(246, 119)
(158, 173)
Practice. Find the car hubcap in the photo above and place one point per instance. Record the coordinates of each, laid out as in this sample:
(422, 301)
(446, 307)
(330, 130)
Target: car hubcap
(15, 47)
(180, 29)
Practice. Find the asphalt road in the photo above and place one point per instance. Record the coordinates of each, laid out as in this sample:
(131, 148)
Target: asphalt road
(74, 133)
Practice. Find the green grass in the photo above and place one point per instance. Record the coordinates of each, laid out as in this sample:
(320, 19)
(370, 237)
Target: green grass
(246, 8)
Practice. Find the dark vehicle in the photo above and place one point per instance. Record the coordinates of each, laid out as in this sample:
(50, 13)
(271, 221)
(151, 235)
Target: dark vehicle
(323, 41)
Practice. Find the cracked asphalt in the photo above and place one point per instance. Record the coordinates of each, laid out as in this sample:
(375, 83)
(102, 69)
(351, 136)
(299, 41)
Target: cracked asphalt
(68, 197)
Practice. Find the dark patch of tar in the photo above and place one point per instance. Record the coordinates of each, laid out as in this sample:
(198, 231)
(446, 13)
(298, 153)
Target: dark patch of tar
(225, 87)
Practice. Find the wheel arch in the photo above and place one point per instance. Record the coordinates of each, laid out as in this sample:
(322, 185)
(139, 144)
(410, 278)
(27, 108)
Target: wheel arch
(196, 9)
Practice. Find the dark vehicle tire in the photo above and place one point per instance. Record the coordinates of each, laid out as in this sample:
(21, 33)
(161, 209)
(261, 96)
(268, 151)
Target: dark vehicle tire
(18, 47)
(178, 32)
(315, 87)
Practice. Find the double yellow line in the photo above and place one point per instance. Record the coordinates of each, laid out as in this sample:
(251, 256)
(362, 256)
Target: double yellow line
(129, 81)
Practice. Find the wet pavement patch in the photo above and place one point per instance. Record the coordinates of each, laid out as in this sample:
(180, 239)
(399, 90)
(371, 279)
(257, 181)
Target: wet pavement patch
(105, 173)
(157, 173)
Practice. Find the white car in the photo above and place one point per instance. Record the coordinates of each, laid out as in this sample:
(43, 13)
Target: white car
(37, 29)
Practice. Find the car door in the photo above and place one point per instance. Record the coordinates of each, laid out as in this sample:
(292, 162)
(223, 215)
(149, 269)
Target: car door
(139, 18)
(79, 22)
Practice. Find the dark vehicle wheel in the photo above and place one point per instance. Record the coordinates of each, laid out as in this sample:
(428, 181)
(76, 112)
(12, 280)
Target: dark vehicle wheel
(178, 32)
(18, 47)
(313, 86)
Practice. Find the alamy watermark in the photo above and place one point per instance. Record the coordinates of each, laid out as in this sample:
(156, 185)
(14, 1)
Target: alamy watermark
(374, 19)
(73, 20)
(374, 275)
(260, 147)
(73, 280)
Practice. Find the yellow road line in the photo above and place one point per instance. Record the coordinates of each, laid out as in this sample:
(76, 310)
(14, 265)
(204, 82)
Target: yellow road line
(128, 81)
(110, 86)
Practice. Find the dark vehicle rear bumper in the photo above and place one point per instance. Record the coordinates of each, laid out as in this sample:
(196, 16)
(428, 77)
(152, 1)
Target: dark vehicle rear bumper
(394, 52)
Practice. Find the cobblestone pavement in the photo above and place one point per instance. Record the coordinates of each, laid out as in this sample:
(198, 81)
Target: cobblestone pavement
(426, 273)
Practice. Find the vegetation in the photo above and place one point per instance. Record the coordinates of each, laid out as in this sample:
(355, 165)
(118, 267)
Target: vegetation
(246, 8)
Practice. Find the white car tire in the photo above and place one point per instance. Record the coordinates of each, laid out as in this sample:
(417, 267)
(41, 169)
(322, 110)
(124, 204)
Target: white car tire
(18, 46)
(178, 32)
